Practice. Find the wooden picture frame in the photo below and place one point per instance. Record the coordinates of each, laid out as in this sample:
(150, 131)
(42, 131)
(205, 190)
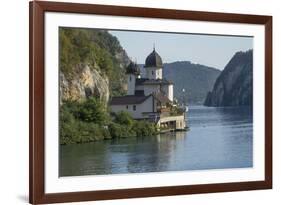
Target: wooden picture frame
(37, 98)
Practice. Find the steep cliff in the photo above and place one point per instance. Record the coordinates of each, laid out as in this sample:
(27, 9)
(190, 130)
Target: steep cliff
(234, 86)
(85, 83)
(92, 63)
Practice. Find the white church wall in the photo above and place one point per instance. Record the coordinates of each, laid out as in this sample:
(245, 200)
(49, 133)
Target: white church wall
(159, 74)
(153, 73)
(146, 106)
(131, 81)
(171, 92)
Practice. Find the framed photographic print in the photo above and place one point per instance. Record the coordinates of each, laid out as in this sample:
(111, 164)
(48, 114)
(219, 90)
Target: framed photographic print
(139, 102)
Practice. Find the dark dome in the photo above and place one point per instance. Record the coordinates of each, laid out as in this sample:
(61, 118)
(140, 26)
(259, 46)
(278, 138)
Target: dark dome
(153, 60)
(133, 68)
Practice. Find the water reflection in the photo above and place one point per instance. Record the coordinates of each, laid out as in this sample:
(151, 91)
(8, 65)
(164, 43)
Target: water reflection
(218, 138)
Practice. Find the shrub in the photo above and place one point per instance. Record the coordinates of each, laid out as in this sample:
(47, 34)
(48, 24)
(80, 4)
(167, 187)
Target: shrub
(120, 131)
(124, 118)
(89, 132)
(92, 110)
(89, 121)
(144, 128)
(68, 127)
(83, 122)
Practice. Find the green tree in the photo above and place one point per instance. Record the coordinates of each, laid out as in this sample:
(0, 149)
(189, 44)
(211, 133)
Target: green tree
(68, 126)
(88, 121)
(124, 118)
(143, 128)
(93, 110)
(96, 48)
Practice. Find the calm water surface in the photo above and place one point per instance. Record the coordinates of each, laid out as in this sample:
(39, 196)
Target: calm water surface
(218, 138)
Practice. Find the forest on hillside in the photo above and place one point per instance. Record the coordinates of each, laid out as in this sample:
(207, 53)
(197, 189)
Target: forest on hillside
(96, 48)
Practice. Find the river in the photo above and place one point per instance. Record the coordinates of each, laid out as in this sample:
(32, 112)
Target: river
(218, 138)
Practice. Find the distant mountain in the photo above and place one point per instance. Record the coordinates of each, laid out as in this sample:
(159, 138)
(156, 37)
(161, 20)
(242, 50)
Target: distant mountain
(197, 80)
(234, 86)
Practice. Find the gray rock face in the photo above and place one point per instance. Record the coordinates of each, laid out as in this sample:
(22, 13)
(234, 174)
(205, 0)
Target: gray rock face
(86, 82)
(234, 86)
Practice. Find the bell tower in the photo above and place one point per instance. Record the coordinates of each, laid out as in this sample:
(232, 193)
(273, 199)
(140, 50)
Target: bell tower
(132, 73)
(154, 66)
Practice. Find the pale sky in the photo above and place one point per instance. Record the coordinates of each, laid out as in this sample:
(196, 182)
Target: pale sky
(209, 50)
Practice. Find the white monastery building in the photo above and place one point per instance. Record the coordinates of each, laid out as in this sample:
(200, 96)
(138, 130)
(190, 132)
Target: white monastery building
(151, 96)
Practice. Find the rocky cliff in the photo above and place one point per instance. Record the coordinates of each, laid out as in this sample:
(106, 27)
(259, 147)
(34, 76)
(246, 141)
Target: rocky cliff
(234, 86)
(86, 82)
(92, 64)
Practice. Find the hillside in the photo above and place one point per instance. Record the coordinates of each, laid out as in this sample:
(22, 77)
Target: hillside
(234, 87)
(196, 79)
(92, 63)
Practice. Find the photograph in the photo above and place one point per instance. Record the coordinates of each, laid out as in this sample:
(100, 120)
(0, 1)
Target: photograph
(133, 101)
